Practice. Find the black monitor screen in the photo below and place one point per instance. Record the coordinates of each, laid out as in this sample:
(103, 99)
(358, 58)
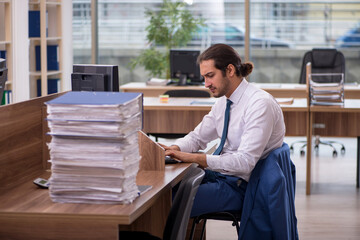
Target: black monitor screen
(3, 74)
(95, 77)
(183, 66)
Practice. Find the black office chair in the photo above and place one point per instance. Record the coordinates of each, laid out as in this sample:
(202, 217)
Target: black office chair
(323, 60)
(181, 93)
(232, 216)
(178, 219)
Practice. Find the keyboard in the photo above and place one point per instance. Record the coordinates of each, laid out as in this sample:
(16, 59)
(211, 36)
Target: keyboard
(169, 160)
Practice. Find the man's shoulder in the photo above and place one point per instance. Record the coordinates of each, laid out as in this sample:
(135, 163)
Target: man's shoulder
(256, 94)
(252, 89)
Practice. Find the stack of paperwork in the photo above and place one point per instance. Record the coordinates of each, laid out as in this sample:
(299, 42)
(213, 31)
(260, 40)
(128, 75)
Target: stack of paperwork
(94, 149)
(327, 89)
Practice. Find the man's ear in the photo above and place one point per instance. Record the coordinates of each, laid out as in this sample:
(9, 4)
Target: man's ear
(230, 70)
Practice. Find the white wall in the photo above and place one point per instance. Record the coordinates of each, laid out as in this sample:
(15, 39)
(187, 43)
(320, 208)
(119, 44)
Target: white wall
(67, 13)
(20, 33)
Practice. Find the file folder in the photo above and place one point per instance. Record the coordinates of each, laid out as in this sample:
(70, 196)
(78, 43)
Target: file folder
(53, 86)
(3, 54)
(52, 58)
(34, 24)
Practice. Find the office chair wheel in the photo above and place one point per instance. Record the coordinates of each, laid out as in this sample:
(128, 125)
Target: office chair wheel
(302, 153)
(334, 153)
(342, 150)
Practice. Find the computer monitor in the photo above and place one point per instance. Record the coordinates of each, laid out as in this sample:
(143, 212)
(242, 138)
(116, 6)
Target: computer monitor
(95, 77)
(183, 66)
(3, 74)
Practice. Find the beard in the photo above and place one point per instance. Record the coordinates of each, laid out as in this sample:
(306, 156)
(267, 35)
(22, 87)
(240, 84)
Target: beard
(223, 88)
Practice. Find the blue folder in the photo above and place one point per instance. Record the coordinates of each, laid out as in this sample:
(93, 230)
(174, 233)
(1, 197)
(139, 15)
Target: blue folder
(95, 98)
(52, 86)
(52, 58)
(3, 54)
(34, 24)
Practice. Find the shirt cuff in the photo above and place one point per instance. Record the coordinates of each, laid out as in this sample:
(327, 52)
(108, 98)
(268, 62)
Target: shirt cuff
(211, 161)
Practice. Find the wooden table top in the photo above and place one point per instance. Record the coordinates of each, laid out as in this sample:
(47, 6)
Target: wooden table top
(284, 86)
(154, 103)
(350, 105)
(352, 91)
(28, 199)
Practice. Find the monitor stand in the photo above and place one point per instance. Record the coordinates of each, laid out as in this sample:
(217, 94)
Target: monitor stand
(182, 80)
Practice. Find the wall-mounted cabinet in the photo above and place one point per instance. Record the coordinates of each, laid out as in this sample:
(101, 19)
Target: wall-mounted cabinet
(6, 46)
(45, 48)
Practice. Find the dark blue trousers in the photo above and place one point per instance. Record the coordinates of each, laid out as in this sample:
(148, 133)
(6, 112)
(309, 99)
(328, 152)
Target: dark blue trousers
(218, 192)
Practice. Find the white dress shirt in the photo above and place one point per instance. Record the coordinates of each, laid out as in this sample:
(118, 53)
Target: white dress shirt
(256, 127)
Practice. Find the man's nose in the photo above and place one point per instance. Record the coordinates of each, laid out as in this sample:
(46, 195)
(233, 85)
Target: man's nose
(207, 83)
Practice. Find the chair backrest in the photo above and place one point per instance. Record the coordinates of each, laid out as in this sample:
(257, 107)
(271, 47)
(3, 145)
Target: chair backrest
(188, 93)
(323, 60)
(178, 219)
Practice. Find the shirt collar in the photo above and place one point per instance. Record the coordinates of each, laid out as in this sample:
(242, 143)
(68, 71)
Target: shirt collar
(239, 91)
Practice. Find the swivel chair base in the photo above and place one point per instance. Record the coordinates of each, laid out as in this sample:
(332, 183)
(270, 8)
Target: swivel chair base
(316, 147)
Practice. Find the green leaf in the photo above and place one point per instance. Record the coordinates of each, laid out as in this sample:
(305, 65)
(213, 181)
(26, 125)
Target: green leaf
(153, 60)
(171, 27)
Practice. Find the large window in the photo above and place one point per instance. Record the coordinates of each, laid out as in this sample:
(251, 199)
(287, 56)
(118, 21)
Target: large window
(280, 33)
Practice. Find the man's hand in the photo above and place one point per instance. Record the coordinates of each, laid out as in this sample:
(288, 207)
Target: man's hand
(172, 147)
(188, 157)
(174, 152)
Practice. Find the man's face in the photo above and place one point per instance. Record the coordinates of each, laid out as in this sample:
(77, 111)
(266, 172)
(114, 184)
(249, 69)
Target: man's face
(218, 84)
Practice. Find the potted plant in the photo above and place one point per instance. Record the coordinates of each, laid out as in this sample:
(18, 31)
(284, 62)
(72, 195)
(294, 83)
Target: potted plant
(170, 27)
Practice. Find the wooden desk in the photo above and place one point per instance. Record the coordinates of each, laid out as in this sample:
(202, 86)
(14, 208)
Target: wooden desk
(155, 91)
(334, 121)
(285, 90)
(279, 90)
(182, 115)
(27, 212)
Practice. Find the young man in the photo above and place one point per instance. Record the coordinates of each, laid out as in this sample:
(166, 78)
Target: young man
(249, 121)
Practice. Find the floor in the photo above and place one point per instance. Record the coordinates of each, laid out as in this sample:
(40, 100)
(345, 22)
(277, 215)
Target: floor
(332, 211)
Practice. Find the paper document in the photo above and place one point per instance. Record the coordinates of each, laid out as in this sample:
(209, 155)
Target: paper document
(157, 82)
(199, 102)
(285, 100)
(94, 151)
(327, 89)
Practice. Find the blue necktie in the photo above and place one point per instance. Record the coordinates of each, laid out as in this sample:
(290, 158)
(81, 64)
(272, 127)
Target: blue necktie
(225, 130)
